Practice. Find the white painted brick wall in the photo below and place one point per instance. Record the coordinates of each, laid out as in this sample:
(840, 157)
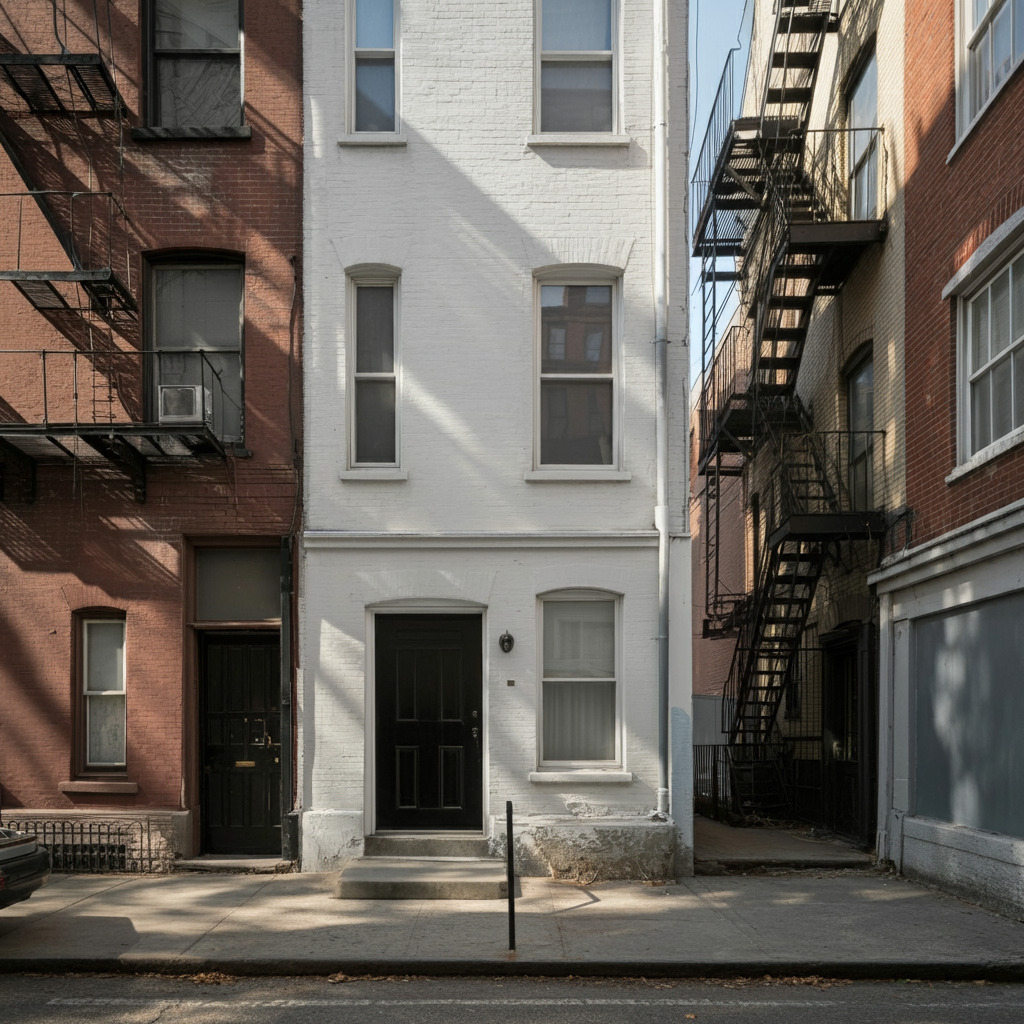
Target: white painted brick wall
(467, 211)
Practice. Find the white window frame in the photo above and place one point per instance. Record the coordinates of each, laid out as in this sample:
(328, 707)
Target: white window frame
(580, 594)
(88, 696)
(571, 275)
(966, 373)
(371, 276)
(542, 55)
(965, 37)
(350, 72)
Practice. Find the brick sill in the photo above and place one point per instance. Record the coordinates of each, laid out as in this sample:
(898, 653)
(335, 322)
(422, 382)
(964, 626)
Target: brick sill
(98, 786)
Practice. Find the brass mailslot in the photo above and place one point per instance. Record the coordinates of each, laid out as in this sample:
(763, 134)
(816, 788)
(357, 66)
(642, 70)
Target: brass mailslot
(245, 764)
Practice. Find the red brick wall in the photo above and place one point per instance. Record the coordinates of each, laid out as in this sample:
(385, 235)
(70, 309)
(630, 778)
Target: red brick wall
(950, 210)
(85, 541)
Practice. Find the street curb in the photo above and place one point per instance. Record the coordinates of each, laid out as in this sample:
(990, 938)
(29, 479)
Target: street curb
(511, 966)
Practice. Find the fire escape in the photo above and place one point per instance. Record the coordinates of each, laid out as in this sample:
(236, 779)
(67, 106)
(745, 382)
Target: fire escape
(774, 218)
(68, 250)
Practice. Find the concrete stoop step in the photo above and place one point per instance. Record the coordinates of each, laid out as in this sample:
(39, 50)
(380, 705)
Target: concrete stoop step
(423, 866)
(228, 864)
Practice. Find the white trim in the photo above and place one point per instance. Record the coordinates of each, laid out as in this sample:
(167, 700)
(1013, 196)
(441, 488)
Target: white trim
(581, 776)
(373, 139)
(987, 256)
(580, 275)
(610, 140)
(312, 539)
(370, 475)
(350, 78)
(551, 476)
(417, 606)
(962, 75)
(617, 76)
(971, 285)
(951, 551)
(371, 275)
(986, 455)
(574, 768)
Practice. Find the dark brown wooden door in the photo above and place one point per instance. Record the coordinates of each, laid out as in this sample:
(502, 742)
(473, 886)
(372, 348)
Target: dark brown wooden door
(429, 721)
(241, 811)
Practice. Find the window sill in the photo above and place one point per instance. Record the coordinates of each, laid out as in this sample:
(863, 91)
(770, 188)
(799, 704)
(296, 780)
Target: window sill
(579, 139)
(107, 786)
(986, 455)
(980, 116)
(373, 139)
(349, 475)
(155, 134)
(556, 476)
(572, 777)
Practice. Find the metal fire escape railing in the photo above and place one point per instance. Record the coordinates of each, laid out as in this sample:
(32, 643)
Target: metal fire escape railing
(779, 201)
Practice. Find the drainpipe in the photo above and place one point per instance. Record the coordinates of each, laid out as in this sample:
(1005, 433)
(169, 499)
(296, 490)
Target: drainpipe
(661, 380)
(289, 820)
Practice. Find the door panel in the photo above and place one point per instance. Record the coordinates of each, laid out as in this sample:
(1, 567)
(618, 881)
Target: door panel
(241, 723)
(429, 723)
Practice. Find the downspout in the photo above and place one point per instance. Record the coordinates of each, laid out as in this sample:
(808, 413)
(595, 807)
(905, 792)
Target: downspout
(661, 381)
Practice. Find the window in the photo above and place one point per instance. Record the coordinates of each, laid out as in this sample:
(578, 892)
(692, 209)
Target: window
(577, 380)
(373, 423)
(372, 76)
(994, 356)
(103, 690)
(860, 395)
(197, 342)
(992, 33)
(864, 144)
(576, 42)
(196, 68)
(579, 704)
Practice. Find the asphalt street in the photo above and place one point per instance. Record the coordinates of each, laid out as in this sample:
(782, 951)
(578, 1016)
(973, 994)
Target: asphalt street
(34, 999)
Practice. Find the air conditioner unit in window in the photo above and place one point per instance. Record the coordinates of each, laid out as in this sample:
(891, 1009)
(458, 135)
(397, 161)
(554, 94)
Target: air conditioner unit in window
(185, 403)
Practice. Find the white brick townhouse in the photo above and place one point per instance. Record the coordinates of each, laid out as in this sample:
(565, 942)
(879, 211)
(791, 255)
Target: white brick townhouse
(495, 597)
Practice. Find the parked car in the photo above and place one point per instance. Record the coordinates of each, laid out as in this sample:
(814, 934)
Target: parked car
(24, 866)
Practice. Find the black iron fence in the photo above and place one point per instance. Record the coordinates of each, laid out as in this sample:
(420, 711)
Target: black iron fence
(97, 846)
(712, 790)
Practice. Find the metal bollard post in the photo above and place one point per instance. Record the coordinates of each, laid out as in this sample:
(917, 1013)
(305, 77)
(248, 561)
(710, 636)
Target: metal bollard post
(511, 876)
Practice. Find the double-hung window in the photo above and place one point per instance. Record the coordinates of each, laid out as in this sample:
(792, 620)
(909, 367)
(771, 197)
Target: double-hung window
(103, 690)
(579, 702)
(576, 70)
(864, 144)
(196, 63)
(373, 423)
(992, 33)
(993, 332)
(372, 78)
(197, 345)
(577, 375)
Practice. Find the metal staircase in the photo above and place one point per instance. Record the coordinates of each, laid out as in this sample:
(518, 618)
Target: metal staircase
(771, 198)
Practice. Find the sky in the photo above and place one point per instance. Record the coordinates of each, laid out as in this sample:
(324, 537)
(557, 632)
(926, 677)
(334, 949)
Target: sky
(714, 27)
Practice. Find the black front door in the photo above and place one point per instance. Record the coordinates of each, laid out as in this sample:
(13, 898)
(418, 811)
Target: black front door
(429, 721)
(241, 752)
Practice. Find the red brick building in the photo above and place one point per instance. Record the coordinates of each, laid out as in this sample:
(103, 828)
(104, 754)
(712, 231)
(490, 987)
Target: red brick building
(952, 602)
(150, 390)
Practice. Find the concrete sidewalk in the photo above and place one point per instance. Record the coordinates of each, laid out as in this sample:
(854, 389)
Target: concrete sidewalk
(838, 924)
